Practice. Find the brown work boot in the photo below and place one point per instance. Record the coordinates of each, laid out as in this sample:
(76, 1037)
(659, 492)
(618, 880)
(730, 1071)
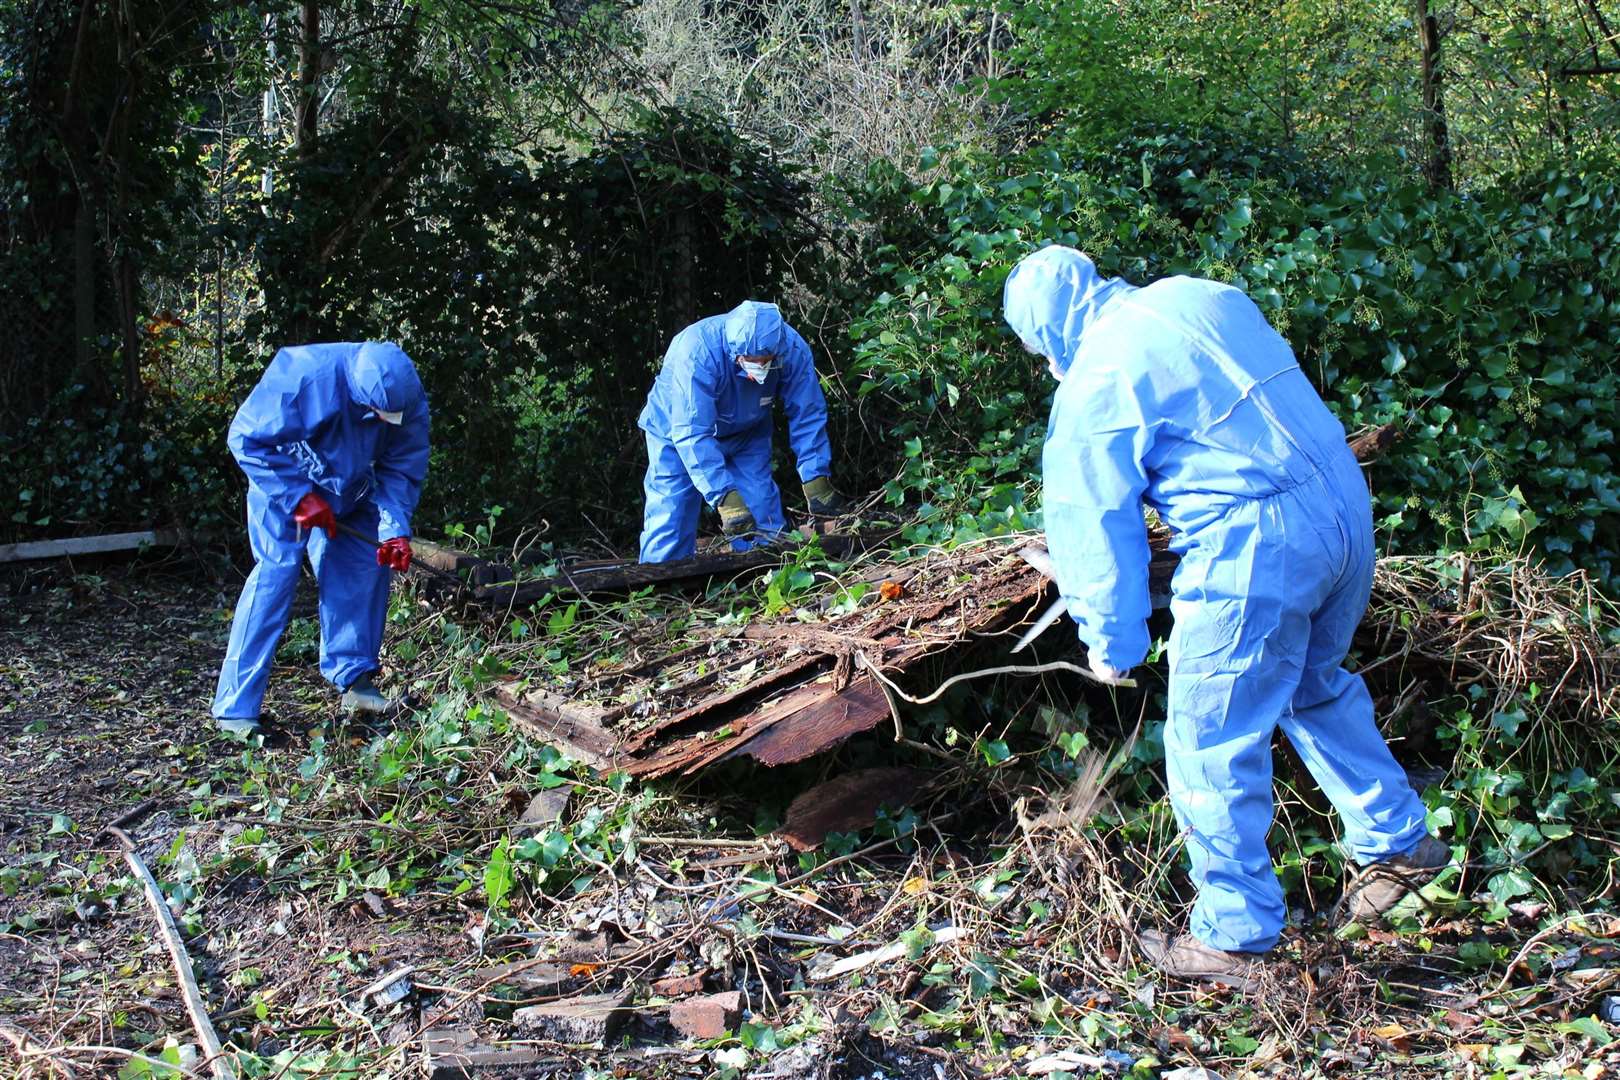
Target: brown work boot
(1187, 958)
(1379, 887)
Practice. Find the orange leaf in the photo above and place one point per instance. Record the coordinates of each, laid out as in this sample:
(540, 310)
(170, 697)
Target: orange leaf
(891, 590)
(580, 971)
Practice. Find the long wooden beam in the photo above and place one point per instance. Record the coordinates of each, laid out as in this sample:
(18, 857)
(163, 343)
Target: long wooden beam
(89, 545)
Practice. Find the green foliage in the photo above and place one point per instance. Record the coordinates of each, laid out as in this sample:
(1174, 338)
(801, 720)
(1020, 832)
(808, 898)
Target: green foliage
(1338, 80)
(536, 296)
(1483, 322)
(78, 463)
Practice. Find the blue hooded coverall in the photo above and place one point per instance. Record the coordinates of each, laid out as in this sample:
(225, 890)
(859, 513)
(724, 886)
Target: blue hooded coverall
(708, 426)
(1182, 395)
(309, 426)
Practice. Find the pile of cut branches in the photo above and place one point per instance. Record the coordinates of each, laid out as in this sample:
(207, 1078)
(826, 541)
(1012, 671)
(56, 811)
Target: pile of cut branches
(1506, 627)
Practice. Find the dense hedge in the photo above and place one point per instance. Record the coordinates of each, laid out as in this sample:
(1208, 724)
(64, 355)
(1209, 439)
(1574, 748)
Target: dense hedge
(536, 296)
(1487, 322)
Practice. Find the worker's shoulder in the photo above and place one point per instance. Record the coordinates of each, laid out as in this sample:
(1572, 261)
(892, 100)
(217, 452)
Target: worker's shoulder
(1183, 293)
(1197, 308)
(707, 335)
(797, 349)
(299, 366)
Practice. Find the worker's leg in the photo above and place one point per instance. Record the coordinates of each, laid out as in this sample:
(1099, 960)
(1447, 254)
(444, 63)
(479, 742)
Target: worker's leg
(354, 598)
(750, 461)
(670, 519)
(1331, 723)
(261, 612)
(1235, 656)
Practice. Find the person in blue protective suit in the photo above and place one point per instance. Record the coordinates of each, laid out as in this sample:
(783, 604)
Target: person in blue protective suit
(1180, 394)
(334, 442)
(708, 423)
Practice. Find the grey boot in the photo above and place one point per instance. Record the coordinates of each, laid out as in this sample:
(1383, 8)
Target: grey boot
(1185, 957)
(363, 697)
(240, 727)
(1379, 887)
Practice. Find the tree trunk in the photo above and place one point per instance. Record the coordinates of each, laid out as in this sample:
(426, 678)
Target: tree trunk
(267, 184)
(1437, 166)
(309, 72)
(84, 285)
(116, 151)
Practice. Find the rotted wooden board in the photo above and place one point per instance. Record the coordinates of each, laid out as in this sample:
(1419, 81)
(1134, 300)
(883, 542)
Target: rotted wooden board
(809, 685)
(815, 688)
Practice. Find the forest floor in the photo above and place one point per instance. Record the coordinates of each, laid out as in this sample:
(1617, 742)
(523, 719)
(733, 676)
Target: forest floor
(984, 931)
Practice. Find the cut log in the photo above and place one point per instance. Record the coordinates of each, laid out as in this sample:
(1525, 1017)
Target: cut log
(90, 545)
(469, 568)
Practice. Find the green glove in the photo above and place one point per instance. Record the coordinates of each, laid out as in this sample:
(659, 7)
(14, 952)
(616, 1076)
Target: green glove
(735, 517)
(821, 497)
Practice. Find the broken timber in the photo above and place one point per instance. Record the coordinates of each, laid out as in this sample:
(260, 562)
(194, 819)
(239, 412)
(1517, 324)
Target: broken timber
(90, 545)
(494, 585)
(813, 695)
(781, 691)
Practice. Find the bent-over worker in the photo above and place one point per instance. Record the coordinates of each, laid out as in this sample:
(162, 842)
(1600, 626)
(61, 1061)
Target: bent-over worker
(1181, 395)
(708, 423)
(331, 434)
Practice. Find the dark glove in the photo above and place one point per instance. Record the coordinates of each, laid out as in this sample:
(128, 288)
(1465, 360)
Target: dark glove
(314, 512)
(735, 517)
(395, 554)
(821, 497)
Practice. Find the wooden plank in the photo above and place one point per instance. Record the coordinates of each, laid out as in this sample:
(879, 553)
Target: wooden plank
(731, 702)
(578, 732)
(89, 545)
(847, 803)
(821, 724)
(629, 576)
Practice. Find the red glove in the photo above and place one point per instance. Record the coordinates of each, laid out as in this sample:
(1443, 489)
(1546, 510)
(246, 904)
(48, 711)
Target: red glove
(313, 512)
(395, 554)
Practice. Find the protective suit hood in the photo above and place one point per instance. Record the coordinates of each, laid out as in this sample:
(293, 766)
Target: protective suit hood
(754, 329)
(381, 376)
(1052, 297)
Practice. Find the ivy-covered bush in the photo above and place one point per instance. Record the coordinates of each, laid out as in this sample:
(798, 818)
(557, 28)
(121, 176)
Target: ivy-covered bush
(1486, 323)
(537, 297)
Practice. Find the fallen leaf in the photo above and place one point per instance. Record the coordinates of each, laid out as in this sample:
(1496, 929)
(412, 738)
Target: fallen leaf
(891, 590)
(1459, 1022)
(581, 971)
(915, 886)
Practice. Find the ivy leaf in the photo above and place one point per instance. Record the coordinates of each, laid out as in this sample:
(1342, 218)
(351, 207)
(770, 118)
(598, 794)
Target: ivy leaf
(498, 878)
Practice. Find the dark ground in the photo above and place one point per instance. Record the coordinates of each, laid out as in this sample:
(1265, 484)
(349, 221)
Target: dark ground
(105, 678)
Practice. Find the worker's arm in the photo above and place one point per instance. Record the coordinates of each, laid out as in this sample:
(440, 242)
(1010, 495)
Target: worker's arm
(806, 408)
(400, 468)
(1093, 479)
(284, 409)
(694, 386)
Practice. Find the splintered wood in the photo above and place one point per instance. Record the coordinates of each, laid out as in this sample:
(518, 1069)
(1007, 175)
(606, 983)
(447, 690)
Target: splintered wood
(785, 686)
(784, 689)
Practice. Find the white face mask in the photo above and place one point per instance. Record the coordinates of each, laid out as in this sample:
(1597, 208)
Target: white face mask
(389, 417)
(757, 369)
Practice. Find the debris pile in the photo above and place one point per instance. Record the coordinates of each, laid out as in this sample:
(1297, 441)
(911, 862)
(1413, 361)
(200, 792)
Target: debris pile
(784, 688)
